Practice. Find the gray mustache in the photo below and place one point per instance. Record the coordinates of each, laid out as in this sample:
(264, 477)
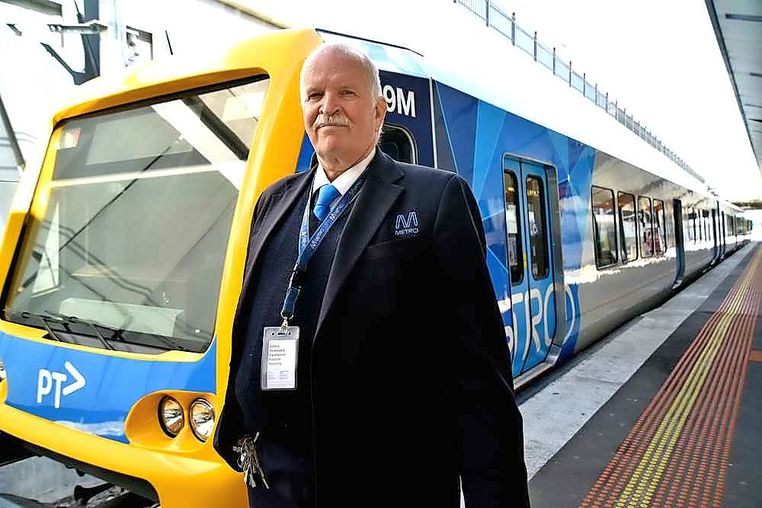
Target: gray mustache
(324, 120)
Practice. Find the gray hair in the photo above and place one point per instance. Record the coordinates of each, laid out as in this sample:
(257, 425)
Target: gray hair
(374, 81)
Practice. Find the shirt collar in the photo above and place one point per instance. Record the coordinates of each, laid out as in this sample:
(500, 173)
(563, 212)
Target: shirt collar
(345, 180)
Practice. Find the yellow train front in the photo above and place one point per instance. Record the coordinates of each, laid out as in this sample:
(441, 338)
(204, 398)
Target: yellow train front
(122, 265)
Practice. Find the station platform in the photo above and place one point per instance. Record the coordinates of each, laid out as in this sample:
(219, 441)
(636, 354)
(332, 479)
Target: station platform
(683, 427)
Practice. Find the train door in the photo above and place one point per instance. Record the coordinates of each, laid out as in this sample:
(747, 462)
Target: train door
(722, 234)
(677, 206)
(533, 299)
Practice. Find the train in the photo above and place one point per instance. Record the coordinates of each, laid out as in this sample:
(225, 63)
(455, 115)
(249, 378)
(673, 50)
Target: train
(123, 255)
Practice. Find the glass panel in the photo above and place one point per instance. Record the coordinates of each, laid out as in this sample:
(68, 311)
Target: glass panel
(544, 56)
(537, 226)
(524, 40)
(627, 227)
(562, 69)
(577, 81)
(660, 230)
(513, 225)
(137, 221)
(707, 229)
(499, 21)
(604, 228)
(646, 226)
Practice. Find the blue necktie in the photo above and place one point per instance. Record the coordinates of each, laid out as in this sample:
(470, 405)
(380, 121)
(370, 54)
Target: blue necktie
(326, 195)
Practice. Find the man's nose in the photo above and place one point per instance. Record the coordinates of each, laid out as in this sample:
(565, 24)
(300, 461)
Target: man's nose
(329, 104)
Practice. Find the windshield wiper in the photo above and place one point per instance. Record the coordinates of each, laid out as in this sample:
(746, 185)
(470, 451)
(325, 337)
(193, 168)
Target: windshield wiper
(44, 319)
(72, 320)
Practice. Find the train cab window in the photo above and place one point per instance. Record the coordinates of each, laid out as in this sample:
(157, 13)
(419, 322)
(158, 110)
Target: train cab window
(513, 224)
(645, 221)
(132, 243)
(660, 229)
(397, 144)
(537, 226)
(628, 234)
(604, 227)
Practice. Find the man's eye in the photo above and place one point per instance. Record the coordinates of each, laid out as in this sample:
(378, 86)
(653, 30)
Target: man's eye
(314, 96)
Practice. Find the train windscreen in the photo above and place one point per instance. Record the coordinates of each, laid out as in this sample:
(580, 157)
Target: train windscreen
(127, 247)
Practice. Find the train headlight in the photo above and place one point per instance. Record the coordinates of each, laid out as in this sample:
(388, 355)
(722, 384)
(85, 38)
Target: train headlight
(201, 419)
(171, 416)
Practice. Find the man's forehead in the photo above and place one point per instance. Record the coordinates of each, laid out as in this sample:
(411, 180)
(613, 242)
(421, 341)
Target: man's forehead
(333, 59)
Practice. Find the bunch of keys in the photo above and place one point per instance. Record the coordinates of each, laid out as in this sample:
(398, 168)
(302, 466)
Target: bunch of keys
(248, 461)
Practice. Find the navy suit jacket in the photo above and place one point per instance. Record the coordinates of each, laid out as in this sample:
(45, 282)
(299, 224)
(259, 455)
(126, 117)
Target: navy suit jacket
(411, 386)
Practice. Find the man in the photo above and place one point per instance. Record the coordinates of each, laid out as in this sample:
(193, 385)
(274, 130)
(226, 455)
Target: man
(398, 385)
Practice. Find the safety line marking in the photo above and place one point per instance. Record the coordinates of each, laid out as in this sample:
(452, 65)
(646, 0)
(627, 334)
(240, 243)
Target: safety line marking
(696, 410)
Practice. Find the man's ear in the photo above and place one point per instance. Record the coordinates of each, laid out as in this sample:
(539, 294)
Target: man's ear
(380, 109)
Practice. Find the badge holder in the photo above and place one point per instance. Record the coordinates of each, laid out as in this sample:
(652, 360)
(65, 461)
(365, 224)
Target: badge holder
(280, 347)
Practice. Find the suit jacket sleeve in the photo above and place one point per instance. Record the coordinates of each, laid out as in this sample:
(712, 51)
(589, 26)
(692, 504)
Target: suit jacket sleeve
(231, 425)
(492, 467)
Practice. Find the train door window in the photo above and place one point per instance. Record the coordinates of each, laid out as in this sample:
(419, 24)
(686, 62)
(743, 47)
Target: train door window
(628, 234)
(687, 231)
(537, 225)
(660, 229)
(397, 144)
(705, 215)
(604, 226)
(645, 220)
(693, 224)
(513, 223)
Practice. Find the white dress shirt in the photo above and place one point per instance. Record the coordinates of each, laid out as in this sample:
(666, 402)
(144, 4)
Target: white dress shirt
(345, 180)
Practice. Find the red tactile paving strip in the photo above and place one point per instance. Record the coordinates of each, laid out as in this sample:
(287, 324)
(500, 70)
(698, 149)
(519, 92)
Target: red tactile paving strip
(688, 465)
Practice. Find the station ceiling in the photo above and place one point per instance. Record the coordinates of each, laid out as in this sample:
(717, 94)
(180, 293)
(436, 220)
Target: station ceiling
(738, 26)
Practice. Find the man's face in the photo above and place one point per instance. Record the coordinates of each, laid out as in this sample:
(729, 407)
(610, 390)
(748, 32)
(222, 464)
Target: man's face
(341, 115)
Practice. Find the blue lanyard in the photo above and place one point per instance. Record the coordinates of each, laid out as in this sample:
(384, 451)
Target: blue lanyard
(308, 245)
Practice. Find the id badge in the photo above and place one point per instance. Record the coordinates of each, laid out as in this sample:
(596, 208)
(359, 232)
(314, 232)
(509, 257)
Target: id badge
(280, 348)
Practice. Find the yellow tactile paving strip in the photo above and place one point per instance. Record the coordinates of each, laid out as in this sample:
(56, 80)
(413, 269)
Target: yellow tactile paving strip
(676, 453)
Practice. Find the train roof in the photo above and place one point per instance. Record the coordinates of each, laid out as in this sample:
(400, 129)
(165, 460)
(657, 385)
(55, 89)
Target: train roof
(517, 84)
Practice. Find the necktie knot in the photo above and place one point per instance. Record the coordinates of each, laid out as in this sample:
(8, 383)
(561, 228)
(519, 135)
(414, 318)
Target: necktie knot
(326, 195)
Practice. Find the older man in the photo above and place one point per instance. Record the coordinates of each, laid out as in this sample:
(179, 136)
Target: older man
(370, 368)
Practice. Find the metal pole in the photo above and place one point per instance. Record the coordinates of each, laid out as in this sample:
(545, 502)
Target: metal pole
(513, 28)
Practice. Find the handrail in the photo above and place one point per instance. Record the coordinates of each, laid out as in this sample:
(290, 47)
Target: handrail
(506, 25)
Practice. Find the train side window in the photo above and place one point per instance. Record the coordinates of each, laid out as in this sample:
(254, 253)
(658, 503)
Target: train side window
(513, 223)
(660, 229)
(537, 227)
(397, 144)
(628, 234)
(604, 226)
(645, 219)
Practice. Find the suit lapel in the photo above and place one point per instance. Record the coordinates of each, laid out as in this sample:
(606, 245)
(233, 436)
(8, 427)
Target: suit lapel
(273, 216)
(373, 203)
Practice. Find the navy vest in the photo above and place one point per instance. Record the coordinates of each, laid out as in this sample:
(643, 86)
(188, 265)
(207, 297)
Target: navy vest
(284, 416)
